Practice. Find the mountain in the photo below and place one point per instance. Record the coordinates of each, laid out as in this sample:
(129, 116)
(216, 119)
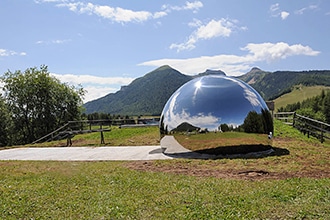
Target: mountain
(146, 95)
(271, 85)
(253, 76)
(185, 126)
(211, 72)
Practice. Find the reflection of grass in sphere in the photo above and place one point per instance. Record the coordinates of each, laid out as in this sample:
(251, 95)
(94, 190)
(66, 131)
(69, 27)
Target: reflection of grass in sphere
(213, 140)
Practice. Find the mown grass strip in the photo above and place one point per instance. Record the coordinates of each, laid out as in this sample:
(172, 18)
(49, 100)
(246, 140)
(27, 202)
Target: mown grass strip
(107, 190)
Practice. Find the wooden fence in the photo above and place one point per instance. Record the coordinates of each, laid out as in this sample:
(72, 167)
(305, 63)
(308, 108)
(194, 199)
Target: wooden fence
(307, 126)
(73, 128)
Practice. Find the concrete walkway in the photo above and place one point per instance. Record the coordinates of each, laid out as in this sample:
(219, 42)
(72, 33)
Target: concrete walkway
(171, 149)
(85, 153)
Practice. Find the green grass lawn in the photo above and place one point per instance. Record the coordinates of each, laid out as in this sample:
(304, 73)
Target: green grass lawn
(173, 189)
(213, 140)
(116, 137)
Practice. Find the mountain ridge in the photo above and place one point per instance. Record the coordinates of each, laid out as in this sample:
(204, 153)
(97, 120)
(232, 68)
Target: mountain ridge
(145, 95)
(148, 94)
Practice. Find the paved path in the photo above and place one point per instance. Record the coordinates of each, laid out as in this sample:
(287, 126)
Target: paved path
(85, 153)
(171, 149)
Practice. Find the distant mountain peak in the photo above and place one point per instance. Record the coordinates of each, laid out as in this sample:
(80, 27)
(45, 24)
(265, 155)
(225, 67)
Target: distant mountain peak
(163, 67)
(212, 72)
(255, 70)
(145, 95)
(254, 75)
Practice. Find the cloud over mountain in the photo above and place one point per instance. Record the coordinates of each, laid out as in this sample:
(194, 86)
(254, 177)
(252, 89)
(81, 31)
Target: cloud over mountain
(234, 64)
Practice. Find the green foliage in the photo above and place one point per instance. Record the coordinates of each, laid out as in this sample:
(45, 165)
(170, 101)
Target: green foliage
(6, 123)
(39, 103)
(310, 113)
(258, 123)
(253, 123)
(317, 107)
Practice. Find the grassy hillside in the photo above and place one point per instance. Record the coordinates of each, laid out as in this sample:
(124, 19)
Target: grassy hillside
(272, 85)
(298, 94)
(291, 184)
(146, 95)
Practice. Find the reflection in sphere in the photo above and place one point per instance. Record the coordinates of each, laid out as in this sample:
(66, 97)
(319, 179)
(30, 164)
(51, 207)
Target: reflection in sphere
(217, 114)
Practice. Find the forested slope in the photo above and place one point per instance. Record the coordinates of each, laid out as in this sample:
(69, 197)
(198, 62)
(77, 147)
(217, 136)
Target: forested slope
(144, 96)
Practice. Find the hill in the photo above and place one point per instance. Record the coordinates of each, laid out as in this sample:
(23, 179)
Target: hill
(298, 94)
(255, 75)
(272, 85)
(146, 95)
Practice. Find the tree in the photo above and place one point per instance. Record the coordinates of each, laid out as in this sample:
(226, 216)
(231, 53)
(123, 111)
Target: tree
(224, 127)
(326, 107)
(253, 123)
(5, 124)
(39, 103)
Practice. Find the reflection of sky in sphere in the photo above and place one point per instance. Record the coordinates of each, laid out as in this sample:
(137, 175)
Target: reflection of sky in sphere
(209, 101)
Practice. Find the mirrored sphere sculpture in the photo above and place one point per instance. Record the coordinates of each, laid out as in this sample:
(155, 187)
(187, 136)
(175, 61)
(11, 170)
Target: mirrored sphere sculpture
(216, 114)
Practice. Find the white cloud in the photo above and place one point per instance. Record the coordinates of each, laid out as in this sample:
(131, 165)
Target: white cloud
(302, 10)
(53, 41)
(7, 53)
(95, 86)
(173, 119)
(118, 14)
(236, 65)
(213, 29)
(159, 14)
(42, 1)
(194, 6)
(270, 52)
(195, 23)
(284, 15)
(276, 12)
(274, 8)
(82, 79)
(95, 92)
(115, 14)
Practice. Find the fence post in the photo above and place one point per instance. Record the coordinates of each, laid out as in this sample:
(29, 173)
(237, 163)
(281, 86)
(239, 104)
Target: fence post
(294, 119)
(322, 140)
(102, 138)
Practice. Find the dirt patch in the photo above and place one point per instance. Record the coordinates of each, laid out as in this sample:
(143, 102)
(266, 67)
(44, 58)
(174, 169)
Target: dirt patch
(205, 171)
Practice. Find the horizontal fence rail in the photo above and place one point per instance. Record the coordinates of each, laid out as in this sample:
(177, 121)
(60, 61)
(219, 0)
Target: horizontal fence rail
(285, 117)
(73, 128)
(306, 125)
(312, 127)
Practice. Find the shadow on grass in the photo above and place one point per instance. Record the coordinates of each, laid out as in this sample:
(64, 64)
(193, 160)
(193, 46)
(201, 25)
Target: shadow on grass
(231, 152)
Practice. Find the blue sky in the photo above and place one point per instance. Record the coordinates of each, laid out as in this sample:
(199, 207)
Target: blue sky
(105, 44)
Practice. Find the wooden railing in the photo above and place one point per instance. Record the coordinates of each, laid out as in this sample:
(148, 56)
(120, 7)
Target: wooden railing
(307, 126)
(72, 128)
(285, 117)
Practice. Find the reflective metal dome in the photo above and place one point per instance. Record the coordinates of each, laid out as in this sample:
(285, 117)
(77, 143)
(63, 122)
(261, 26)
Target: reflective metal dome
(216, 114)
